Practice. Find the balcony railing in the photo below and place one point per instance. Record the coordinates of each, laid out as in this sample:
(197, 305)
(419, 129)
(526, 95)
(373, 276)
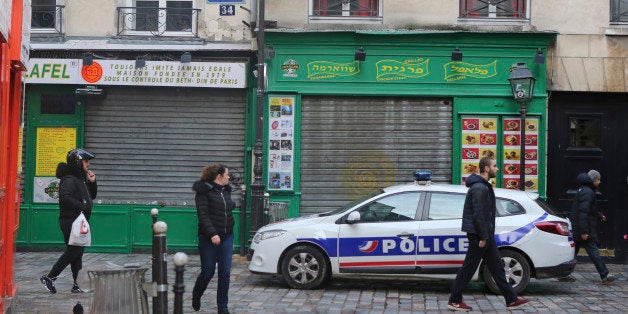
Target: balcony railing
(619, 11)
(47, 19)
(340, 8)
(158, 21)
(493, 9)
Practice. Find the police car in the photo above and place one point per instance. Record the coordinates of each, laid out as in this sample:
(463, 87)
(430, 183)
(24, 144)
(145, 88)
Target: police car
(413, 230)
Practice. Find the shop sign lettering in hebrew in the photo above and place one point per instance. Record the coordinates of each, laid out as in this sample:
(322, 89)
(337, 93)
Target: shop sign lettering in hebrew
(319, 70)
(455, 71)
(393, 70)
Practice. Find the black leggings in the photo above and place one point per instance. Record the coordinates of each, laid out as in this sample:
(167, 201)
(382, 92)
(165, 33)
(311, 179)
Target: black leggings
(72, 256)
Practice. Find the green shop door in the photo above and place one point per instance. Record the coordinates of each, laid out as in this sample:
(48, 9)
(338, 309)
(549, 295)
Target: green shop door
(54, 125)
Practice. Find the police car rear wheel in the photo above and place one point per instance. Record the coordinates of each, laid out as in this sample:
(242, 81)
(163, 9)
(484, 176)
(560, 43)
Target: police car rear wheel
(304, 267)
(517, 271)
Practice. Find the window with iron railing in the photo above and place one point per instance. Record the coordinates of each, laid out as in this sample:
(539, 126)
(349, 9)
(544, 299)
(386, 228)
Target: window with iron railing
(345, 8)
(46, 17)
(495, 9)
(158, 18)
(619, 11)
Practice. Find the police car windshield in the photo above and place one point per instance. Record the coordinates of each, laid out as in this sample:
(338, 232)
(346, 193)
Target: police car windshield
(352, 204)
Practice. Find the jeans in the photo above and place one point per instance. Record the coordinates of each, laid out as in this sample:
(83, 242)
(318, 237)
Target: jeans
(590, 245)
(495, 266)
(210, 255)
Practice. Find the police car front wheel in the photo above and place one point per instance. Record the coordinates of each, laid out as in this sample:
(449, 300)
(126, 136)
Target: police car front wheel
(304, 267)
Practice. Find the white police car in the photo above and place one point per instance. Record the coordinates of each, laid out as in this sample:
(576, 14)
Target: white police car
(413, 230)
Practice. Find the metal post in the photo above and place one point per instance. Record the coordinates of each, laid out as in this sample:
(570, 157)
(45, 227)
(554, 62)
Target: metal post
(243, 221)
(522, 160)
(154, 212)
(257, 187)
(267, 212)
(180, 260)
(160, 270)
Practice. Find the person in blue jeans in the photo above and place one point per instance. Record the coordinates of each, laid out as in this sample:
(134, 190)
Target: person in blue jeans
(214, 208)
(584, 218)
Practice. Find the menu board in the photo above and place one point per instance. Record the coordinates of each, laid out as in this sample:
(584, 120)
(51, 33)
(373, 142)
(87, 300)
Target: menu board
(281, 143)
(512, 151)
(53, 143)
(479, 139)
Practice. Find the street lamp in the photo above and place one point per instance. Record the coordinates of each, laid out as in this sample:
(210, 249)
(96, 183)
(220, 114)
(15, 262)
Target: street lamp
(522, 85)
(257, 187)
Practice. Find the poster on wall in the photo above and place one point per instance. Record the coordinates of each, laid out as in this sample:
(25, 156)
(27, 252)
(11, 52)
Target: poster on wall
(53, 143)
(479, 139)
(512, 153)
(46, 190)
(281, 143)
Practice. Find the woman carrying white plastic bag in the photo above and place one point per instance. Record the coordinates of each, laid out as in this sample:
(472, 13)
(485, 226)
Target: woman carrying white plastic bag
(80, 234)
(77, 189)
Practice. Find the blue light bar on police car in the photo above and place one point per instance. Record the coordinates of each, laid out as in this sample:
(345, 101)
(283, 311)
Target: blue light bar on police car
(423, 175)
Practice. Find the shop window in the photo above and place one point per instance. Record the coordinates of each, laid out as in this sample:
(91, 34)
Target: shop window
(158, 17)
(340, 10)
(584, 132)
(57, 104)
(46, 16)
(494, 9)
(619, 11)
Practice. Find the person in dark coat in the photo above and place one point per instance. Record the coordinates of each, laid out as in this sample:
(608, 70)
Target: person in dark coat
(214, 208)
(478, 221)
(584, 216)
(77, 189)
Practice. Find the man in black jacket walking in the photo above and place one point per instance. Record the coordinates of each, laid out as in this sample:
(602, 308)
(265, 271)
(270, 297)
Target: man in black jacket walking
(584, 217)
(478, 221)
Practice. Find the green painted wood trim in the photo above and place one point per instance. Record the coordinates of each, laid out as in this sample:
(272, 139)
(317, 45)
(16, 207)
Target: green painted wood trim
(115, 228)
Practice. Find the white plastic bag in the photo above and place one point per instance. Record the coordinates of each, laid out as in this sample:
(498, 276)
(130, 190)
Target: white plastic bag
(81, 234)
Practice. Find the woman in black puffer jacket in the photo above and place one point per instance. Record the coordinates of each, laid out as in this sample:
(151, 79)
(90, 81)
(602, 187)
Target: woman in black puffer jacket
(77, 189)
(214, 208)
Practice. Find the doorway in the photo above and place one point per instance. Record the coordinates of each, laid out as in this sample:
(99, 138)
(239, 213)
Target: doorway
(588, 131)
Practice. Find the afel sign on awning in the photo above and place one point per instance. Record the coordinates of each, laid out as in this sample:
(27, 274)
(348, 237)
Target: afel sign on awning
(124, 72)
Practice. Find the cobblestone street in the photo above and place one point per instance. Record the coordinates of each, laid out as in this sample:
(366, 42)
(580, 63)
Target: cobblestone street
(261, 294)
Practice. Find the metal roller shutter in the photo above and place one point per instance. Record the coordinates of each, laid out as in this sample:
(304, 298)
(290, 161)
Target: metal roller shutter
(352, 146)
(151, 143)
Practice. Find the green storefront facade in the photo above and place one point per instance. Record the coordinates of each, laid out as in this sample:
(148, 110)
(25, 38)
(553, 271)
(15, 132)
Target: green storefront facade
(335, 129)
(150, 141)
(366, 136)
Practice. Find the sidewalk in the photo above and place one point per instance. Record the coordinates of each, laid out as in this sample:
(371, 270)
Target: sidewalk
(254, 293)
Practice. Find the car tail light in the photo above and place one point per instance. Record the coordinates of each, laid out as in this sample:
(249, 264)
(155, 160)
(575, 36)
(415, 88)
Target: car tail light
(555, 227)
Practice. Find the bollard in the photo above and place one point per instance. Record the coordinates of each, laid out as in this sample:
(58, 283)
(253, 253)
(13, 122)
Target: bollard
(266, 219)
(180, 260)
(154, 212)
(160, 271)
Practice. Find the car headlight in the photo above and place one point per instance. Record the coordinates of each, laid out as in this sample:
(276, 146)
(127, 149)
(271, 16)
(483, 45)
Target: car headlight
(264, 235)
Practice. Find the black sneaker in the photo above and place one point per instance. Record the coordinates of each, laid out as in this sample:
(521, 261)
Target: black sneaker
(196, 303)
(77, 289)
(48, 283)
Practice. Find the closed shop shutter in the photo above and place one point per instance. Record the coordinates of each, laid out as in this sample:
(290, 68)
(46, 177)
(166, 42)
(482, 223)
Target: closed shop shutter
(152, 142)
(353, 146)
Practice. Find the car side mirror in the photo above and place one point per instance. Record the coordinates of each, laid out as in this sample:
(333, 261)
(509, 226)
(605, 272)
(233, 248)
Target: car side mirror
(353, 217)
